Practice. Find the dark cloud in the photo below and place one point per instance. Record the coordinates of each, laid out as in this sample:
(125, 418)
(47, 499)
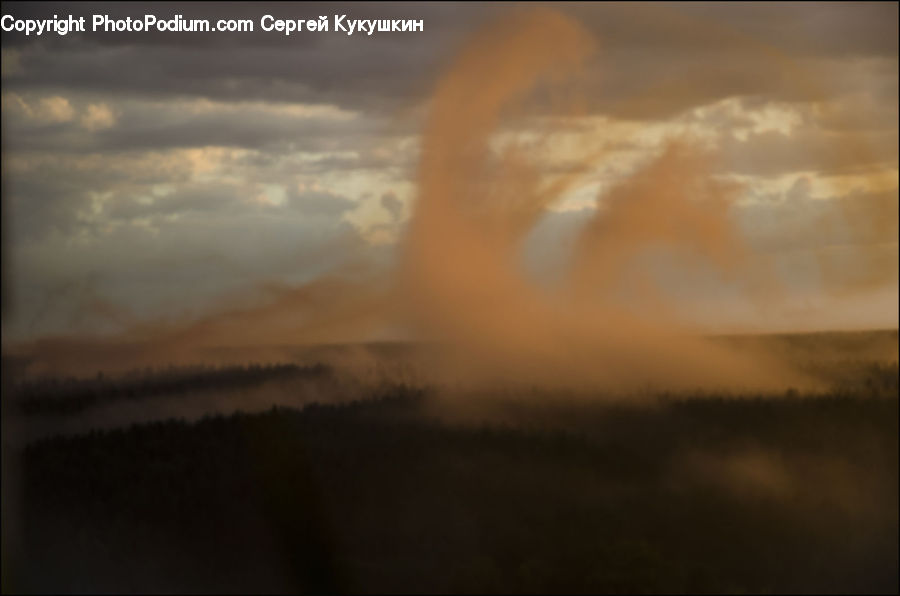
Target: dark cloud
(358, 71)
(657, 58)
(392, 204)
(179, 124)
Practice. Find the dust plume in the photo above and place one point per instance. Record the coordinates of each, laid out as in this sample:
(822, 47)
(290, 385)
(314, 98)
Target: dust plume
(460, 278)
(274, 328)
(609, 325)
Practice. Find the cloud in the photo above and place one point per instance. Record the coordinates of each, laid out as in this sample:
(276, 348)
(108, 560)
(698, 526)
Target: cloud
(55, 109)
(694, 54)
(772, 152)
(392, 204)
(137, 145)
(43, 111)
(9, 62)
(203, 197)
(319, 202)
(97, 116)
(154, 125)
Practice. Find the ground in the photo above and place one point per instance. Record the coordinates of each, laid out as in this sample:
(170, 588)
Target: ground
(679, 493)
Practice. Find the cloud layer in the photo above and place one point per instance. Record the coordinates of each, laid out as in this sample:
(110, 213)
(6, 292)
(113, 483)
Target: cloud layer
(155, 173)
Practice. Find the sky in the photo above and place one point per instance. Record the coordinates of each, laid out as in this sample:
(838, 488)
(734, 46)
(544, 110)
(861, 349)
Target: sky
(161, 175)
